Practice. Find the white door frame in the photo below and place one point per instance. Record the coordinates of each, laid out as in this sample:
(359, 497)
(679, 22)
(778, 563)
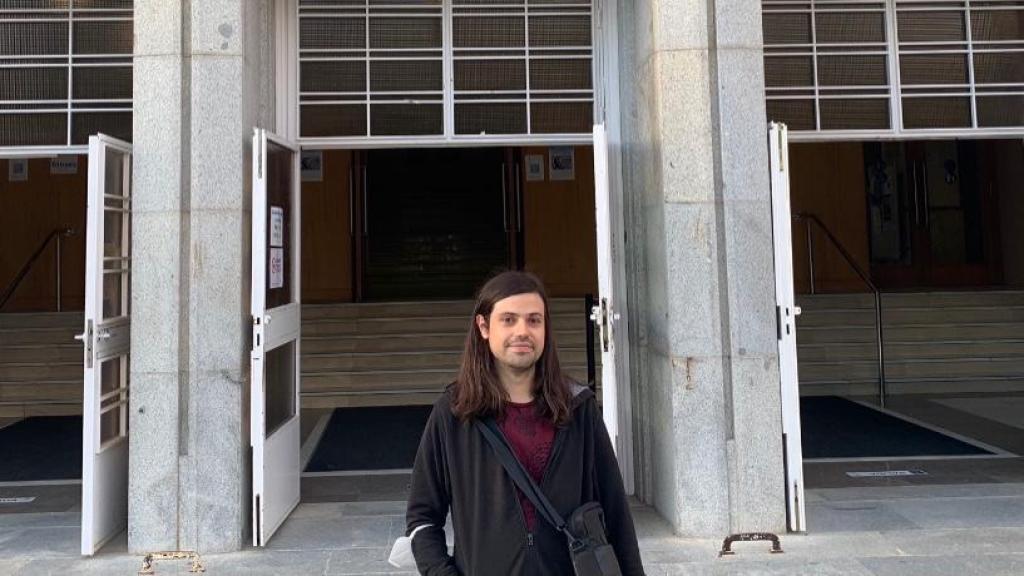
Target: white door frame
(106, 343)
(276, 463)
(606, 111)
(786, 313)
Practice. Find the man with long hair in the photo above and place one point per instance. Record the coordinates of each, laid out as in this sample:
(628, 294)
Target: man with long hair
(510, 373)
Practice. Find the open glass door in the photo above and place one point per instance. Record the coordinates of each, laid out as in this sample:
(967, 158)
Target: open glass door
(606, 313)
(106, 342)
(274, 408)
(786, 312)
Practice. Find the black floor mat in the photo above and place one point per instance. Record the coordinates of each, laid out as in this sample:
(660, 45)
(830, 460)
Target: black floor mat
(379, 438)
(41, 448)
(833, 427)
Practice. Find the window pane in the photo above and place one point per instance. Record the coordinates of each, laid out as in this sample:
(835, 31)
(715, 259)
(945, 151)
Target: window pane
(786, 28)
(279, 386)
(796, 114)
(339, 76)
(999, 68)
(944, 112)
(995, 111)
(33, 129)
(552, 74)
(491, 75)
(933, 69)
(851, 27)
(561, 117)
(333, 120)
(931, 26)
(501, 118)
(400, 75)
(997, 25)
(279, 175)
(406, 119)
(112, 291)
(788, 71)
(854, 114)
(852, 71)
(332, 33)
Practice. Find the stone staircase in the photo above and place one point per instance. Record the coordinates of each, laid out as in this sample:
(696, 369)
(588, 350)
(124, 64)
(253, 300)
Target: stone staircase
(40, 364)
(406, 352)
(377, 354)
(935, 342)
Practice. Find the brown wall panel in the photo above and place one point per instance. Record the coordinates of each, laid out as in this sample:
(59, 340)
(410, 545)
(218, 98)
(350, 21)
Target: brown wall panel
(326, 233)
(560, 242)
(827, 180)
(29, 210)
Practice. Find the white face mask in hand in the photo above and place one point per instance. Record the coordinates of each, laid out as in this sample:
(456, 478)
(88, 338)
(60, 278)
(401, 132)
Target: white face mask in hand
(401, 551)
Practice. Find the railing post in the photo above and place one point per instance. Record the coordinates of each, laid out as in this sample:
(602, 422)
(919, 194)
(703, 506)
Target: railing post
(60, 261)
(810, 253)
(881, 350)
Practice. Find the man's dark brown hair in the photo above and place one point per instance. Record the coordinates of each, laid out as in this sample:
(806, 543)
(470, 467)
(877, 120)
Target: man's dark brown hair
(478, 392)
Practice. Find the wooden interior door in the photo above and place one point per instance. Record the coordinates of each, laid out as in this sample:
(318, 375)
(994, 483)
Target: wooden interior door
(945, 217)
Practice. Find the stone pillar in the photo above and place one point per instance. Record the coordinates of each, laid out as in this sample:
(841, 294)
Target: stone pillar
(699, 243)
(203, 80)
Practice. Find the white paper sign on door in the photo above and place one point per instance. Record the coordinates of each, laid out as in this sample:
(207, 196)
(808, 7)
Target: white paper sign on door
(276, 268)
(276, 226)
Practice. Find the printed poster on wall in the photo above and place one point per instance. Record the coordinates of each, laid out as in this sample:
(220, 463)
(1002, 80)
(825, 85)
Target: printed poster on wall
(534, 168)
(276, 268)
(560, 163)
(312, 163)
(17, 170)
(276, 226)
(64, 165)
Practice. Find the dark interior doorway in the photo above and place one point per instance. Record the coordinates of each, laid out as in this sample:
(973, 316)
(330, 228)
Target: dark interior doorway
(933, 211)
(435, 222)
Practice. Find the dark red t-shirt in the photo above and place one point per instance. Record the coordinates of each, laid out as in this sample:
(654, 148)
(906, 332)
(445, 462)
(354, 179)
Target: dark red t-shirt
(531, 437)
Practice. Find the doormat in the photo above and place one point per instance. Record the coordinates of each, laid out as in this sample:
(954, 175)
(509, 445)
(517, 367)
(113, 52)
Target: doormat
(377, 438)
(834, 427)
(41, 448)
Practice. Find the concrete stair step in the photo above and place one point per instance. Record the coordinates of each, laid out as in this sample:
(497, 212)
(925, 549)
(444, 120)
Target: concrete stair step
(903, 316)
(16, 336)
(41, 353)
(413, 325)
(892, 300)
(912, 369)
(41, 372)
(838, 352)
(913, 386)
(61, 391)
(28, 409)
(19, 320)
(405, 360)
(911, 333)
(393, 380)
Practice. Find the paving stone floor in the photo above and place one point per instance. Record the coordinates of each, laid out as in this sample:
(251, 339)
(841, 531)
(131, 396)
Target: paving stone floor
(955, 530)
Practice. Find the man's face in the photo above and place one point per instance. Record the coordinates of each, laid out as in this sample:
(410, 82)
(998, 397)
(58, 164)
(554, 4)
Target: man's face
(515, 331)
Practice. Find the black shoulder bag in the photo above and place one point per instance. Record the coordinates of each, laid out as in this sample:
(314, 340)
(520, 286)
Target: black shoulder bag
(589, 549)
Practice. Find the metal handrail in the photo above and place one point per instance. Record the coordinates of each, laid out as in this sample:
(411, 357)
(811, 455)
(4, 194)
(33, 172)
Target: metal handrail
(811, 219)
(59, 234)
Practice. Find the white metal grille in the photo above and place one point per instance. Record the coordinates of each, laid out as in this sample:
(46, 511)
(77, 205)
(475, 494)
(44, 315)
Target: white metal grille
(65, 71)
(445, 69)
(895, 67)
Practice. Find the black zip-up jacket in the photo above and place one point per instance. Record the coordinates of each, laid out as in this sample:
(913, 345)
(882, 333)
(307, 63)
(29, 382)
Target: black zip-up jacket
(456, 469)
